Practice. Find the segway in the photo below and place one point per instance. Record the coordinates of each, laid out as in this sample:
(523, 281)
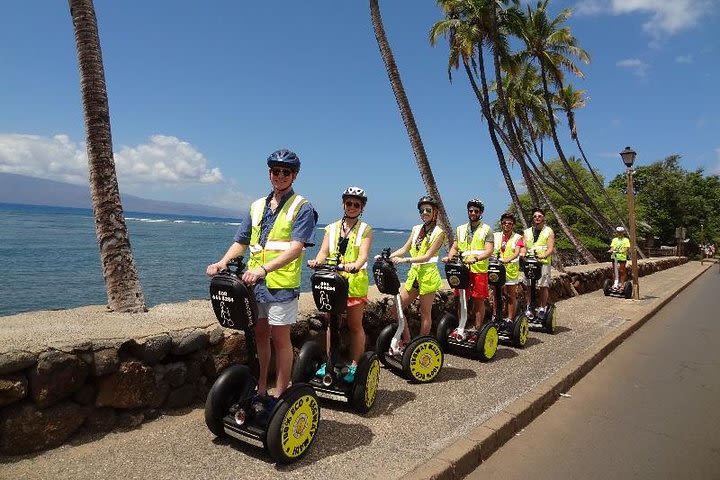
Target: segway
(287, 428)
(533, 269)
(330, 292)
(451, 334)
(614, 287)
(419, 361)
(514, 332)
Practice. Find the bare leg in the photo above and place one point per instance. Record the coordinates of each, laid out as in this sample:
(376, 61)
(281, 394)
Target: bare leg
(406, 298)
(544, 295)
(479, 304)
(426, 303)
(512, 297)
(283, 356)
(357, 333)
(262, 341)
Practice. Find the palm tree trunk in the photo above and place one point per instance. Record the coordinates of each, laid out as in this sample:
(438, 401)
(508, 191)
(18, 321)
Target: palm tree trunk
(408, 118)
(482, 98)
(121, 279)
(553, 130)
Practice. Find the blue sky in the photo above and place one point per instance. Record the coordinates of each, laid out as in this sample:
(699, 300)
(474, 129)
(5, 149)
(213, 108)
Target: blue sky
(201, 92)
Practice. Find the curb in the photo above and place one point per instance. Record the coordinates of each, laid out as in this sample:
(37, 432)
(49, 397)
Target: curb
(467, 453)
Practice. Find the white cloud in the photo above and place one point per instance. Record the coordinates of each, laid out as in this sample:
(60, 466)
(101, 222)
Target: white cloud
(684, 58)
(636, 66)
(164, 160)
(666, 16)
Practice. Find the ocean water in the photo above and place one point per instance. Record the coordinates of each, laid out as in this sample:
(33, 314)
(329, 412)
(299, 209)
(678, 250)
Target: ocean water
(49, 257)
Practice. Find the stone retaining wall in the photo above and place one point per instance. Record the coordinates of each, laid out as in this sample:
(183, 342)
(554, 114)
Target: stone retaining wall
(97, 386)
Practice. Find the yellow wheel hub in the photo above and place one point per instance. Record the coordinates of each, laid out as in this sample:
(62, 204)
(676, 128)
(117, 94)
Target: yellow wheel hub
(299, 425)
(425, 361)
(371, 386)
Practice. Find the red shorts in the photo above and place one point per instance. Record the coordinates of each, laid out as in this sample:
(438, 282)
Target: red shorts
(478, 286)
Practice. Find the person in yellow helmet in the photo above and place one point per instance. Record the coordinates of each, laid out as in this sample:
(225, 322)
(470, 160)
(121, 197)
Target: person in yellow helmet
(275, 230)
(424, 276)
(351, 238)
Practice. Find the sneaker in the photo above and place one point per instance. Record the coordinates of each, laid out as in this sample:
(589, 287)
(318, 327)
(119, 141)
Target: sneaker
(457, 336)
(350, 375)
(542, 311)
(321, 371)
(529, 314)
(263, 403)
(472, 336)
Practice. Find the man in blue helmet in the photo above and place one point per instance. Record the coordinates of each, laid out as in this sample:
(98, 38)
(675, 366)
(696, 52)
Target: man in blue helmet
(276, 229)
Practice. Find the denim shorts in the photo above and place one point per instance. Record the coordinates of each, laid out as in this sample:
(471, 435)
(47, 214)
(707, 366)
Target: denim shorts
(280, 313)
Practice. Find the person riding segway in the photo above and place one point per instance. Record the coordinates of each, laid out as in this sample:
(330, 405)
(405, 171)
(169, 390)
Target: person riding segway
(620, 285)
(288, 428)
(537, 258)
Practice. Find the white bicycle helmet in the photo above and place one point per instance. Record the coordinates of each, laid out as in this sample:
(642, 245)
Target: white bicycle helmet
(355, 192)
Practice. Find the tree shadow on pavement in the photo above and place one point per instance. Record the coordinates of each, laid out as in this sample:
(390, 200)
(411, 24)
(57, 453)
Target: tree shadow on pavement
(333, 438)
(448, 374)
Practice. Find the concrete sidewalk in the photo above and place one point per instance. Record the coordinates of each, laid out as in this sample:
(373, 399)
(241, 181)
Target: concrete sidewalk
(439, 430)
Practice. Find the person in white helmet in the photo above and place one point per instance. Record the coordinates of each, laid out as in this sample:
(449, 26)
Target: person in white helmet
(619, 248)
(351, 238)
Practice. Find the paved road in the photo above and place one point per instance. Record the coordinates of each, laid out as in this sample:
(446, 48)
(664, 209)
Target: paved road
(649, 410)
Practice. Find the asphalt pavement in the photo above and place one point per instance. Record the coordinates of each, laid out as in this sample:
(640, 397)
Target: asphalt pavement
(411, 431)
(648, 411)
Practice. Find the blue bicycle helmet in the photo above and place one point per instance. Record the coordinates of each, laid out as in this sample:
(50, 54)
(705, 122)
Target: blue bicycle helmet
(284, 158)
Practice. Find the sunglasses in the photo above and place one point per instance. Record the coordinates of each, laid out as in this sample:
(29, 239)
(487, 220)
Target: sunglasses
(351, 204)
(507, 223)
(538, 216)
(425, 210)
(473, 210)
(286, 172)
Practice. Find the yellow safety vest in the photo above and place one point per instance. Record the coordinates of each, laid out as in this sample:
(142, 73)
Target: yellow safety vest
(475, 246)
(358, 281)
(419, 251)
(541, 244)
(278, 241)
(512, 269)
(617, 245)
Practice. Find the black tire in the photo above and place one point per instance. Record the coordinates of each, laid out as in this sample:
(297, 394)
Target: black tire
(364, 391)
(234, 384)
(293, 425)
(520, 331)
(447, 324)
(422, 360)
(628, 289)
(549, 322)
(607, 284)
(487, 342)
(382, 345)
(309, 359)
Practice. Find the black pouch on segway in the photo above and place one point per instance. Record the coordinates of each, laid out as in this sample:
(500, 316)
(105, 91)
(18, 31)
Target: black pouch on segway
(232, 301)
(496, 272)
(531, 267)
(330, 291)
(457, 274)
(386, 277)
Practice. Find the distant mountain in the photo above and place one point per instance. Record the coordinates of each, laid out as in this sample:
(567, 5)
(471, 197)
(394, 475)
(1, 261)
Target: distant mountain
(38, 191)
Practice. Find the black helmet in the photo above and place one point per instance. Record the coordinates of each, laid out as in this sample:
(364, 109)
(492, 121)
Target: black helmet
(284, 158)
(507, 215)
(426, 200)
(355, 192)
(476, 202)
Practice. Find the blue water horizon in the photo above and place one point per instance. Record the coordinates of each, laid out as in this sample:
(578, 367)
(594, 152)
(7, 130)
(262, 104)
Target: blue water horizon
(49, 258)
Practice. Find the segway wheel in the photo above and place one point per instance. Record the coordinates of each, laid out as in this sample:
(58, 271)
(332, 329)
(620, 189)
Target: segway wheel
(382, 345)
(628, 290)
(234, 384)
(520, 331)
(309, 359)
(447, 324)
(422, 360)
(549, 322)
(293, 425)
(607, 285)
(487, 342)
(365, 388)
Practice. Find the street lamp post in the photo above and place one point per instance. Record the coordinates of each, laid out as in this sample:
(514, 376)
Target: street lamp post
(628, 158)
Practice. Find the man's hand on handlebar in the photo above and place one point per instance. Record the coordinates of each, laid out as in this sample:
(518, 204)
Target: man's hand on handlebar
(215, 268)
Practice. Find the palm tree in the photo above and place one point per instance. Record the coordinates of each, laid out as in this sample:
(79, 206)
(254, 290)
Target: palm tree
(553, 46)
(408, 118)
(121, 279)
